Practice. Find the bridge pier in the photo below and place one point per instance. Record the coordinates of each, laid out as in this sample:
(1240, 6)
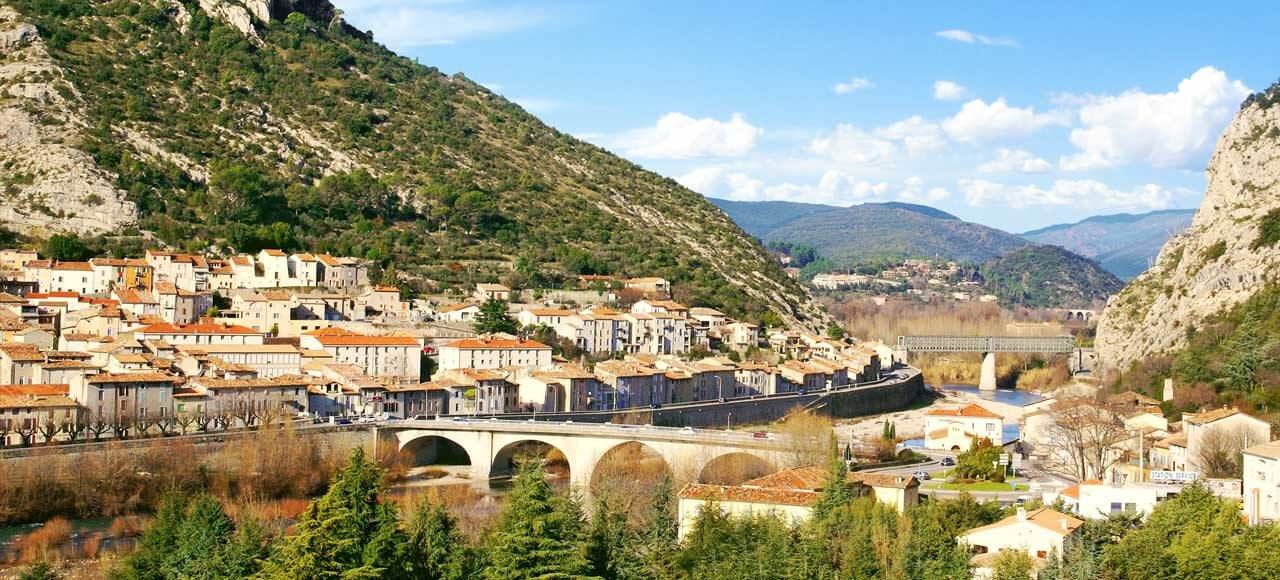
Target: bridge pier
(987, 377)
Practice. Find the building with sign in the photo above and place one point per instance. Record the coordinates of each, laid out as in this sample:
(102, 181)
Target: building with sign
(1262, 483)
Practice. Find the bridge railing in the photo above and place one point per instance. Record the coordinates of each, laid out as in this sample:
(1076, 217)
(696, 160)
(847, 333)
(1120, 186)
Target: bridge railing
(1063, 343)
(569, 427)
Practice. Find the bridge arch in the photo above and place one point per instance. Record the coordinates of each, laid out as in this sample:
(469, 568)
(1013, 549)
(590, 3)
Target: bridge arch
(437, 450)
(629, 468)
(735, 467)
(505, 459)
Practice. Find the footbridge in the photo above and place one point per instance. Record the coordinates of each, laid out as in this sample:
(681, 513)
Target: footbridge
(491, 445)
(988, 346)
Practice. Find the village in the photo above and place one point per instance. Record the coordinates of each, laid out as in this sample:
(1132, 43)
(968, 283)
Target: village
(174, 343)
(919, 279)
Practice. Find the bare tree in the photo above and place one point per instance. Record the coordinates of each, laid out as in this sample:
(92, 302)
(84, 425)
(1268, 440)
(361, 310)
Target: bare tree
(1081, 438)
(5, 429)
(184, 421)
(120, 425)
(49, 429)
(74, 426)
(99, 426)
(142, 424)
(1220, 450)
(165, 423)
(270, 416)
(27, 430)
(203, 422)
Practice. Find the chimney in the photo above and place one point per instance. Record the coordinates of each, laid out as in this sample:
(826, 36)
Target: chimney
(1167, 395)
(1022, 514)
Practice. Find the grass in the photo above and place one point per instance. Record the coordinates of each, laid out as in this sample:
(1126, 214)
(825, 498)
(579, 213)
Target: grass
(975, 486)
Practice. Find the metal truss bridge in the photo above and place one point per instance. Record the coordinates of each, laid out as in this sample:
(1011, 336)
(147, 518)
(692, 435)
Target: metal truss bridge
(986, 344)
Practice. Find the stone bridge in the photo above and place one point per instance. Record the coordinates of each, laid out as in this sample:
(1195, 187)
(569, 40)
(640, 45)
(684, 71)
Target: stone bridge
(491, 445)
(988, 346)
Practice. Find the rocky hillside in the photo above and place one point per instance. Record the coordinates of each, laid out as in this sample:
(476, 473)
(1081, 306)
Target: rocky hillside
(1048, 277)
(1228, 254)
(255, 123)
(848, 235)
(1125, 244)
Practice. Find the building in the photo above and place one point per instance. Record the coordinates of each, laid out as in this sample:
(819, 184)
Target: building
(556, 389)
(24, 409)
(118, 396)
(549, 317)
(493, 353)
(1095, 500)
(1039, 533)
(956, 429)
(265, 360)
(457, 312)
(649, 286)
(480, 391)
(633, 384)
(486, 292)
(1262, 483)
(284, 395)
(1220, 428)
(377, 356)
(790, 494)
(204, 332)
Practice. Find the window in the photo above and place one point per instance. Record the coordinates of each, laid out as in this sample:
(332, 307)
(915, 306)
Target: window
(1116, 507)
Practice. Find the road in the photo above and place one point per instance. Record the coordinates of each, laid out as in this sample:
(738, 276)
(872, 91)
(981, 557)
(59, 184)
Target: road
(934, 465)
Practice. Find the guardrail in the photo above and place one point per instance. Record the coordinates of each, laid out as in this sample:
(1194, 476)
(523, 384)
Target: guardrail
(1064, 343)
(446, 423)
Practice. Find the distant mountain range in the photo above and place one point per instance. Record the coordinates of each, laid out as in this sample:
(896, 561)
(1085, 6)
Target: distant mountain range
(871, 230)
(1124, 244)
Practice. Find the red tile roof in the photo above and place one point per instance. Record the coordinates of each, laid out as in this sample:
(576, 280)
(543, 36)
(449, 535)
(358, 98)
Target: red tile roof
(197, 328)
(495, 343)
(759, 495)
(970, 410)
(361, 340)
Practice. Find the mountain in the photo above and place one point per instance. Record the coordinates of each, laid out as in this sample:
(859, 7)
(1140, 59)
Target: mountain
(1125, 244)
(871, 230)
(1229, 255)
(242, 124)
(1042, 276)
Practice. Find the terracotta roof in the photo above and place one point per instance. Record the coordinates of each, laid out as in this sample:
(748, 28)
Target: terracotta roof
(549, 312)
(1052, 520)
(622, 368)
(1210, 416)
(385, 288)
(37, 389)
(1270, 450)
(7, 298)
(331, 331)
(809, 478)
(197, 328)
(130, 296)
(131, 378)
(492, 288)
(885, 480)
(565, 371)
(76, 266)
(32, 396)
(454, 307)
(1072, 492)
(55, 294)
(361, 340)
(1132, 398)
(758, 495)
(970, 410)
(19, 352)
(495, 343)
(273, 252)
(283, 381)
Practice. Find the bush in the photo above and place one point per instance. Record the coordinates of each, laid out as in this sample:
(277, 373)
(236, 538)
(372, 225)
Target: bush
(1268, 230)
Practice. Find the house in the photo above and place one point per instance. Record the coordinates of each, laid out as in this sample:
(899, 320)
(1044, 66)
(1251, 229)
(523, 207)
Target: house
(377, 356)
(485, 292)
(800, 376)
(118, 396)
(1039, 533)
(556, 389)
(285, 395)
(790, 494)
(19, 363)
(633, 384)
(486, 392)
(1262, 483)
(493, 353)
(755, 378)
(649, 286)
(179, 305)
(1225, 427)
(407, 400)
(1092, 499)
(342, 273)
(740, 336)
(112, 273)
(663, 306)
(305, 268)
(599, 330)
(457, 312)
(955, 429)
(204, 332)
(267, 360)
(187, 271)
(275, 269)
(24, 409)
(382, 301)
(549, 317)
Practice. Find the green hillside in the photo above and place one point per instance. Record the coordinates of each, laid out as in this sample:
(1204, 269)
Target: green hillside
(1124, 243)
(302, 133)
(1048, 276)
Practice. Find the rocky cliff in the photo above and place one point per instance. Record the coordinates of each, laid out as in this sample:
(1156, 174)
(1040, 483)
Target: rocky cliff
(1229, 253)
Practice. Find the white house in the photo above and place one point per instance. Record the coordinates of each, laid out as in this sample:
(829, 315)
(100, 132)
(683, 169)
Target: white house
(1095, 500)
(493, 353)
(955, 429)
(377, 356)
(1262, 483)
(491, 291)
(1038, 533)
(457, 312)
(1237, 429)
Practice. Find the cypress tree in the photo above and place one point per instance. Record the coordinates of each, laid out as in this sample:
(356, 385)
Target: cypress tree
(539, 534)
(158, 543)
(836, 491)
(434, 545)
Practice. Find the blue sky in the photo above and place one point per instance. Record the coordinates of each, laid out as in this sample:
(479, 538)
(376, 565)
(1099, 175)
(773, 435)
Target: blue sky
(1015, 115)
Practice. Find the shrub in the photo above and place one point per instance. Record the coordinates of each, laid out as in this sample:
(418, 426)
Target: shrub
(1268, 230)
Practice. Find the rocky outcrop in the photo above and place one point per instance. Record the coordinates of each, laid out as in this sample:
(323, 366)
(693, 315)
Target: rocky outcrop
(1220, 261)
(46, 184)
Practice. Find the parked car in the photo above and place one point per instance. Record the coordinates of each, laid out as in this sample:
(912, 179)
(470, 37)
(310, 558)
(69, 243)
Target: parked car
(418, 418)
(687, 430)
(922, 475)
(947, 461)
(340, 421)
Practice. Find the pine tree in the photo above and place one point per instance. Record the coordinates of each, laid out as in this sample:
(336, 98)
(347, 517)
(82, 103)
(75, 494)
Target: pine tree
(202, 536)
(493, 318)
(539, 534)
(158, 543)
(435, 548)
(611, 545)
(348, 533)
(836, 491)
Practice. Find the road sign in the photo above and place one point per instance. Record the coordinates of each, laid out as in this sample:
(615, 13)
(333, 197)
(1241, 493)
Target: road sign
(1004, 460)
(1174, 476)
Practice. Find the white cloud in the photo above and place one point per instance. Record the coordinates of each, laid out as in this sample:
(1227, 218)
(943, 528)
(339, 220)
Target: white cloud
(402, 24)
(854, 84)
(679, 136)
(538, 105)
(967, 37)
(1166, 130)
(913, 190)
(1085, 193)
(1015, 161)
(916, 135)
(948, 91)
(978, 121)
(833, 188)
(853, 146)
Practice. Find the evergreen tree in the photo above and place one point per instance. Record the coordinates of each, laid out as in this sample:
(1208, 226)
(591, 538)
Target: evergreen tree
(836, 490)
(159, 542)
(611, 545)
(660, 534)
(493, 318)
(1012, 565)
(202, 535)
(347, 533)
(539, 534)
(435, 547)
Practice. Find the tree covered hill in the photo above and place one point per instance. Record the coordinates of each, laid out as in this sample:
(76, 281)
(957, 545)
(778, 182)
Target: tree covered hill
(243, 124)
(1123, 243)
(1048, 276)
(849, 235)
